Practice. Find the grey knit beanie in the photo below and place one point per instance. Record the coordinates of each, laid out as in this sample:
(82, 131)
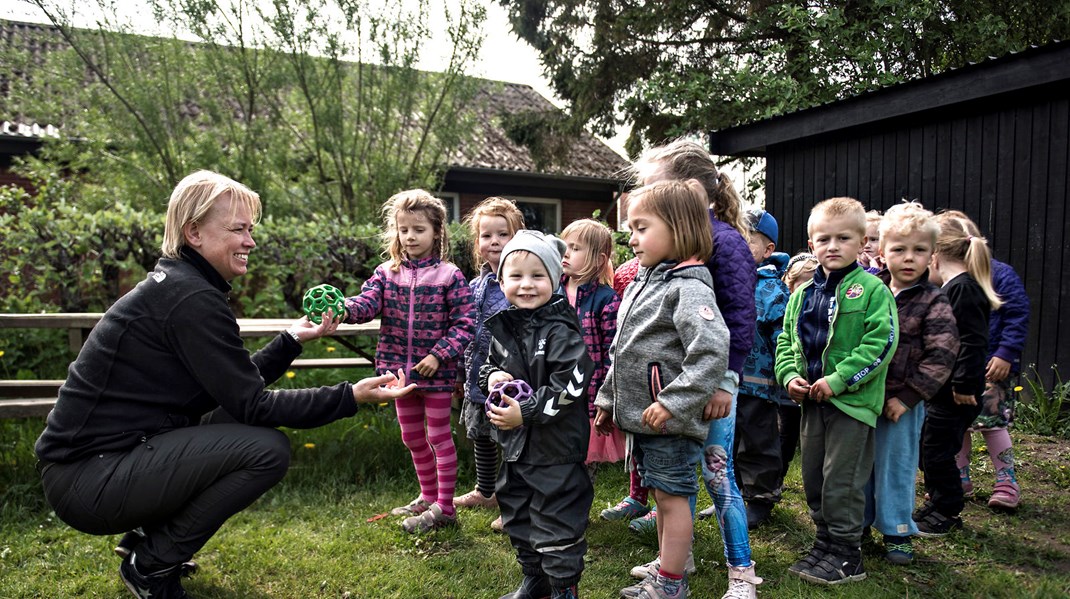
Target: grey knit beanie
(548, 248)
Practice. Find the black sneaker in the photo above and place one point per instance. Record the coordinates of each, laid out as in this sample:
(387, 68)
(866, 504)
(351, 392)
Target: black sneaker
(841, 564)
(924, 510)
(935, 524)
(821, 546)
(532, 587)
(158, 585)
(757, 513)
(133, 538)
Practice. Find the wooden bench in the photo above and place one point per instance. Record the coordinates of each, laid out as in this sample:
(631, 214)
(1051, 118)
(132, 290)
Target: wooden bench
(35, 398)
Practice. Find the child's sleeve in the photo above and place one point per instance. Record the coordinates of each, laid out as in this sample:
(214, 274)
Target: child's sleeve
(369, 304)
(771, 307)
(704, 337)
(1014, 315)
(785, 364)
(462, 320)
(490, 366)
(608, 330)
(605, 396)
(875, 348)
(940, 338)
(569, 373)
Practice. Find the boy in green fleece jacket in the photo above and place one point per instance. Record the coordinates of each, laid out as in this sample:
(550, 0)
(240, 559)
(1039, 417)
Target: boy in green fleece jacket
(840, 331)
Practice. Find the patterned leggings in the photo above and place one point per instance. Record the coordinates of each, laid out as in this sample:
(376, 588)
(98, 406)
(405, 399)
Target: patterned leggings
(432, 449)
(719, 475)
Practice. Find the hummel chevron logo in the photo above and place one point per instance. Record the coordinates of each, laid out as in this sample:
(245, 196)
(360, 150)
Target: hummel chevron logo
(574, 388)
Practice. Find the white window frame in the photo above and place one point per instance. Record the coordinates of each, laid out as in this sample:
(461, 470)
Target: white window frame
(555, 202)
(452, 200)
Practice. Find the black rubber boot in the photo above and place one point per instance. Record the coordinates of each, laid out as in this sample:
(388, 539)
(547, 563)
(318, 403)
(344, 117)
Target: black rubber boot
(532, 587)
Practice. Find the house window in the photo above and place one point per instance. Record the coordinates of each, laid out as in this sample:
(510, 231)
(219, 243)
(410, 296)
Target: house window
(541, 214)
(453, 205)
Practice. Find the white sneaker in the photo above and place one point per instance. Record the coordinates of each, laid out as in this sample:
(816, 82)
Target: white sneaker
(742, 583)
(651, 568)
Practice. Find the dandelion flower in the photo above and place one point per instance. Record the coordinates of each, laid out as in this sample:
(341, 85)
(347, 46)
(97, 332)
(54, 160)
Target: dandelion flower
(330, 348)
(310, 445)
(1, 353)
(383, 404)
(365, 426)
(1016, 389)
(290, 374)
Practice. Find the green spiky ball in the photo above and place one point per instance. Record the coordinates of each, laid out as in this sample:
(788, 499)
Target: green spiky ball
(319, 299)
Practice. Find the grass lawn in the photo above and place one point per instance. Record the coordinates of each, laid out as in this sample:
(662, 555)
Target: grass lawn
(315, 535)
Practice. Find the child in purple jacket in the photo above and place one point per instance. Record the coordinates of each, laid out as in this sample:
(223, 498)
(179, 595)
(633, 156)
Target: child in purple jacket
(493, 223)
(426, 310)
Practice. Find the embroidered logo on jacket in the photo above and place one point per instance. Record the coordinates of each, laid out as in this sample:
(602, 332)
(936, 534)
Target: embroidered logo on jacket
(707, 313)
(854, 291)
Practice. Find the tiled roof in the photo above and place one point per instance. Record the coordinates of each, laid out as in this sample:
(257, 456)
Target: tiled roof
(490, 147)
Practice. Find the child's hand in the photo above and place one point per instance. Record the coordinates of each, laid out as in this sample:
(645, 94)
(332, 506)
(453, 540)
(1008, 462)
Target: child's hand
(798, 389)
(498, 377)
(603, 422)
(719, 406)
(893, 409)
(655, 416)
(997, 369)
(508, 417)
(428, 366)
(964, 399)
(820, 391)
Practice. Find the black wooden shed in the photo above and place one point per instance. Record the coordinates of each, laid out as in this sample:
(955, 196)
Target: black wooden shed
(989, 139)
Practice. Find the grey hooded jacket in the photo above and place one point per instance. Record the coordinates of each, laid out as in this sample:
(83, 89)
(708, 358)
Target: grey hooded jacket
(671, 347)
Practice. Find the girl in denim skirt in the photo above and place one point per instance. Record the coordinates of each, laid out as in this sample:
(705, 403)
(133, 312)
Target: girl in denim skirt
(671, 340)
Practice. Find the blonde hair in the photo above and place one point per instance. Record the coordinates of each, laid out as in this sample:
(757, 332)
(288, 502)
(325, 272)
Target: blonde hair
(492, 206)
(960, 240)
(909, 218)
(836, 208)
(682, 206)
(414, 201)
(873, 216)
(800, 263)
(599, 241)
(194, 197)
(686, 159)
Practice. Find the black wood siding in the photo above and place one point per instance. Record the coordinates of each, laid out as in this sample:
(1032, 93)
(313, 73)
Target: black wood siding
(1004, 162)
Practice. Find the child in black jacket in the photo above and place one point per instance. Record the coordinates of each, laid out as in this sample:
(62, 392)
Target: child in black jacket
(963, 265)
(543, 488)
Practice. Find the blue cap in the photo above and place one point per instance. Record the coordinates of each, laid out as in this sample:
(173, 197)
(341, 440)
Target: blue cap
(764, 223)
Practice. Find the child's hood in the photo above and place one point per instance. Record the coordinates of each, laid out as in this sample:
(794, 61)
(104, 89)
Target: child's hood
(774, 266)
(667, 271)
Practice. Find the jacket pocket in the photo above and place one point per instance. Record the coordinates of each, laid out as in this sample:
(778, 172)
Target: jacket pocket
(653, 380)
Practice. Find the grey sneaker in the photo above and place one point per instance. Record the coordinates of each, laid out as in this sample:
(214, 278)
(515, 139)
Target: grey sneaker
(415, 507)
(663, 588)
(429, 520)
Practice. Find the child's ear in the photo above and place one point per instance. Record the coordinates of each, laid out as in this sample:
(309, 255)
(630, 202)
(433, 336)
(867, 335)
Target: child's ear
(769, 249)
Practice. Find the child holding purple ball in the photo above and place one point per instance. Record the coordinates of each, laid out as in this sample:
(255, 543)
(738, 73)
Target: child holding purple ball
(543, 489)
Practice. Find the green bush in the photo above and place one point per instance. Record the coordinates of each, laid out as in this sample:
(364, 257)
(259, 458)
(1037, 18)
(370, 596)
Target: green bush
(58, 257)
(1045, 412)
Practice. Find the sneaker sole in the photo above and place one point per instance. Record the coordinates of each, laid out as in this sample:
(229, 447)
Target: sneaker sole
(1003, 505)
(899, 560)
(844, 580)
(932, 535)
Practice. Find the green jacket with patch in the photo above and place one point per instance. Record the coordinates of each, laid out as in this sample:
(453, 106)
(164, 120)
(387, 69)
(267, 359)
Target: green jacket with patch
(861, 334)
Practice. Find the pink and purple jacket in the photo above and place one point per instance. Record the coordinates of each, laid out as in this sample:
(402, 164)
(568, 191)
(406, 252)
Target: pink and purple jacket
(596, 307)
(425, 308)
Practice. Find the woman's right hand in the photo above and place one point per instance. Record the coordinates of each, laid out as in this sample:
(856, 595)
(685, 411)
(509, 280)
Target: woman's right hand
(378, 389)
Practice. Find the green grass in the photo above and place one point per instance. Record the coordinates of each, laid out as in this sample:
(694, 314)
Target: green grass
(310, 536)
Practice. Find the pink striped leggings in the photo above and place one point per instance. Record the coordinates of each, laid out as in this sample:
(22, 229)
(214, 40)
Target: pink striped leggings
(432, 449)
